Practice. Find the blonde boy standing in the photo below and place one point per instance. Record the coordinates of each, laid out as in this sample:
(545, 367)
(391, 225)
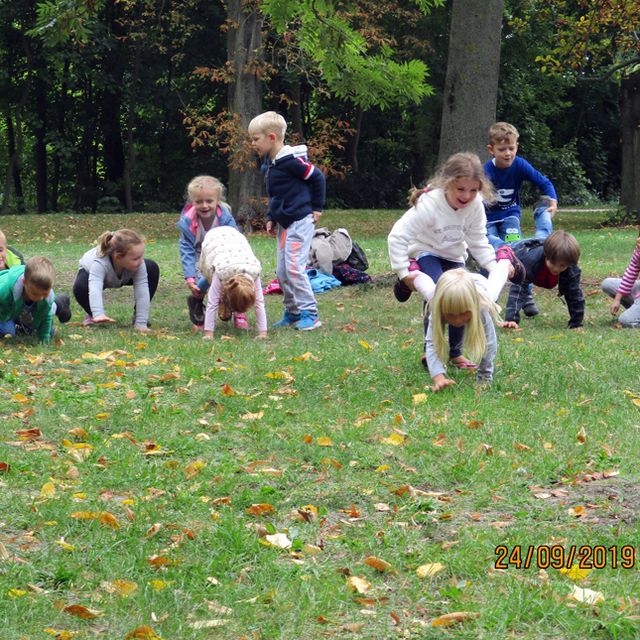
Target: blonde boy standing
(296, 191)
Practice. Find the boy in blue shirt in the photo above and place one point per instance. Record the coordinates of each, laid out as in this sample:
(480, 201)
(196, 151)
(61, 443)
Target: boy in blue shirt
(507, 171)
(296, 191)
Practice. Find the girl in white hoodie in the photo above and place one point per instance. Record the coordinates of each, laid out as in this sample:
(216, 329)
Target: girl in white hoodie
(445, 220)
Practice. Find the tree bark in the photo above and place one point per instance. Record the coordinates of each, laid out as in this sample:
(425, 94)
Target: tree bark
(40, 146)
(244, 54)
(471, 84)
(630, 110)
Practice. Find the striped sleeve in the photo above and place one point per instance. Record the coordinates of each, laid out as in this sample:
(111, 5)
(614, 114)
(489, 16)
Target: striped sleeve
(630, 275)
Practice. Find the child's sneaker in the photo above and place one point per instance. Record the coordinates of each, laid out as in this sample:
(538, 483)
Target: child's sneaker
(88, 321)
(308, 321)
(196, 310)
(506, 253)
(401, 291)
(240, 321)
(287, 320)
(63, 307)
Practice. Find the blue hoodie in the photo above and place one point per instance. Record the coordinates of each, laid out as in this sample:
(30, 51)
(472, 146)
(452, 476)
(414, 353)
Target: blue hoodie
(295, 187)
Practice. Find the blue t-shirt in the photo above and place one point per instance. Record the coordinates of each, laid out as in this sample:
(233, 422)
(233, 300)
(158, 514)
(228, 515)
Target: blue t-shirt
(507, 185)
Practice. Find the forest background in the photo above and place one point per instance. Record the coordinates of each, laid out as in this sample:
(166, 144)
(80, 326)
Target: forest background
(114, 106)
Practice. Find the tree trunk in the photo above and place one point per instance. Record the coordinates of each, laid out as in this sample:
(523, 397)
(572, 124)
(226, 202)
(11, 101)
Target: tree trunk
(244, 54)
(471, 84)
(630, 109)
(131, 155)
(40, 146)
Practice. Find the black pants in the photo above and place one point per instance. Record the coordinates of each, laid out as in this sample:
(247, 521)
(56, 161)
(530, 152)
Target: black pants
(81, 284)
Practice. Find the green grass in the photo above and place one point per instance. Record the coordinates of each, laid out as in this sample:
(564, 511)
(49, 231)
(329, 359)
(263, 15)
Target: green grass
(478, 467)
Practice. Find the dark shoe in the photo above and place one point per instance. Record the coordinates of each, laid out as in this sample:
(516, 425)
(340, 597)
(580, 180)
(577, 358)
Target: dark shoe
(63, 307)
(196, 310)
(506, 253)
(401, 291)
(530, 308)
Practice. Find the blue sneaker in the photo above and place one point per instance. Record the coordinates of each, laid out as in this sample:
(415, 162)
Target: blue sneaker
(287, 320)
(308, 321)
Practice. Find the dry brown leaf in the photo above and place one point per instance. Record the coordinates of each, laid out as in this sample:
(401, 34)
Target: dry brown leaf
(429, 570)
(108, 520)
(142, 633)
(453, 618)
(260, 509)
(581, 436)
(82, 612)
(377, 563)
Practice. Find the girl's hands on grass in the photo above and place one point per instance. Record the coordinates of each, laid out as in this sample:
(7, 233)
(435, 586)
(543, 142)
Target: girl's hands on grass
(208, 335)
(440, 382)
(615, 305)
(141, 328)
(510, 324)
(103, 320)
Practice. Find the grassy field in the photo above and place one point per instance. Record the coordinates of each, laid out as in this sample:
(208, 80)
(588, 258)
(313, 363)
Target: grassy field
(311, 485)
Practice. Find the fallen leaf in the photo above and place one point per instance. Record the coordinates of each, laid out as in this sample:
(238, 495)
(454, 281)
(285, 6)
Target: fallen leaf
(358, 584)
(581, 436)
(577, 512)
(377, 563)
(419, 398)
(364, 344)
(279, 540)
(159, 585)
(109, 520)
(429, 570)
(394, 439)
(207, 624)
(575, 573)
(48, 490)
(453, 618)
(324, 441)
(586, 596)
(227, 390)
(123, 588)
(142, 633)
(260, 509)
(81, 612)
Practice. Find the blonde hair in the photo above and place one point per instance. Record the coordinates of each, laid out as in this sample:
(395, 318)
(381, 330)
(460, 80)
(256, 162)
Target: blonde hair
(459, 165)
(502, 132)
(39, 272)
(268, 122)
(239, 293)
(456, 293)
(561, 246)
(205, 182)
(120, 241)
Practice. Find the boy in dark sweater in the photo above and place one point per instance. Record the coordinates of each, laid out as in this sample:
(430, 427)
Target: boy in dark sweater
(548, 263)
(296, 191)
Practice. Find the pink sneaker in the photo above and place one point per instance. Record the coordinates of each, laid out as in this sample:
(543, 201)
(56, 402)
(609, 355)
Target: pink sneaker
(88, 321)
(240, 321)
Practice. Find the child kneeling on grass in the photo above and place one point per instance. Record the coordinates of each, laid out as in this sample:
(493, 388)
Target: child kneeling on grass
(549, 263)
(26, 298)
(233, 270)
(118, 260)
(461, 300)
(625, 291)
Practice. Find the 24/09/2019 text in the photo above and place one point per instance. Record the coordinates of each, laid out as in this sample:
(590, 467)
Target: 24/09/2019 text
(558, 557)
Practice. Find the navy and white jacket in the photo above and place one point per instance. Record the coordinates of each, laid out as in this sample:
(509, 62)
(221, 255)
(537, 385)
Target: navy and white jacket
(295, 187)
(531, 253)
(507, 184)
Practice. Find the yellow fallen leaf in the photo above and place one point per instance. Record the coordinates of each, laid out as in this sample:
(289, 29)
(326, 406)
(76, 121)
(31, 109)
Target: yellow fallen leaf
(193, 469)
(586, 596)
(64, 545)
(48, 490)
(577, 512)
(377, 563)
(364, 344)
(20, 397)
(16, 593)
(354, 583)
(394, 439)
(324, 441)
(429, 570)
(581, 436)
(419, 398)
(159, 585)
(122, 588)
(452, 618)
(84, 515)
(253, 416)
(279, 540)
(575, 573)
(260, 509)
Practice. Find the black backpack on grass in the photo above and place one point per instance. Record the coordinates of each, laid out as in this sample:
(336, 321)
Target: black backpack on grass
(357, 258)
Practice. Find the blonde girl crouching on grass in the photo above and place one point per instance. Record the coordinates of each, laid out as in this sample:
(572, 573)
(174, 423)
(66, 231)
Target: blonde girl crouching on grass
(461, 300)
(117, 261)
(229, 264)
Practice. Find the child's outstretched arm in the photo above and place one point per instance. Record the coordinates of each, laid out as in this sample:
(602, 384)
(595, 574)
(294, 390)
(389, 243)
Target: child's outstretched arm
(436, 368)
(485, 368)
(213, 302)
(261, 313)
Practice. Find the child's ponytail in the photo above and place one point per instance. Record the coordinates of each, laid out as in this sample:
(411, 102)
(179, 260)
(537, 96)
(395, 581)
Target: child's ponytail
(111, 242)
(239, 293)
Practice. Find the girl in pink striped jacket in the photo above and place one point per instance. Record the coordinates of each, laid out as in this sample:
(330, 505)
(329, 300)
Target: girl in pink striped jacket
(625, 291)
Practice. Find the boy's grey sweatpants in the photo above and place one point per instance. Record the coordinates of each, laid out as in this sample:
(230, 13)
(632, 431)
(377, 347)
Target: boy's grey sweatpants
(630, 317)
(294, 244)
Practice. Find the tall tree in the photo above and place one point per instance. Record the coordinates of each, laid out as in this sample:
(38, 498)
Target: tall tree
(471, 84)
